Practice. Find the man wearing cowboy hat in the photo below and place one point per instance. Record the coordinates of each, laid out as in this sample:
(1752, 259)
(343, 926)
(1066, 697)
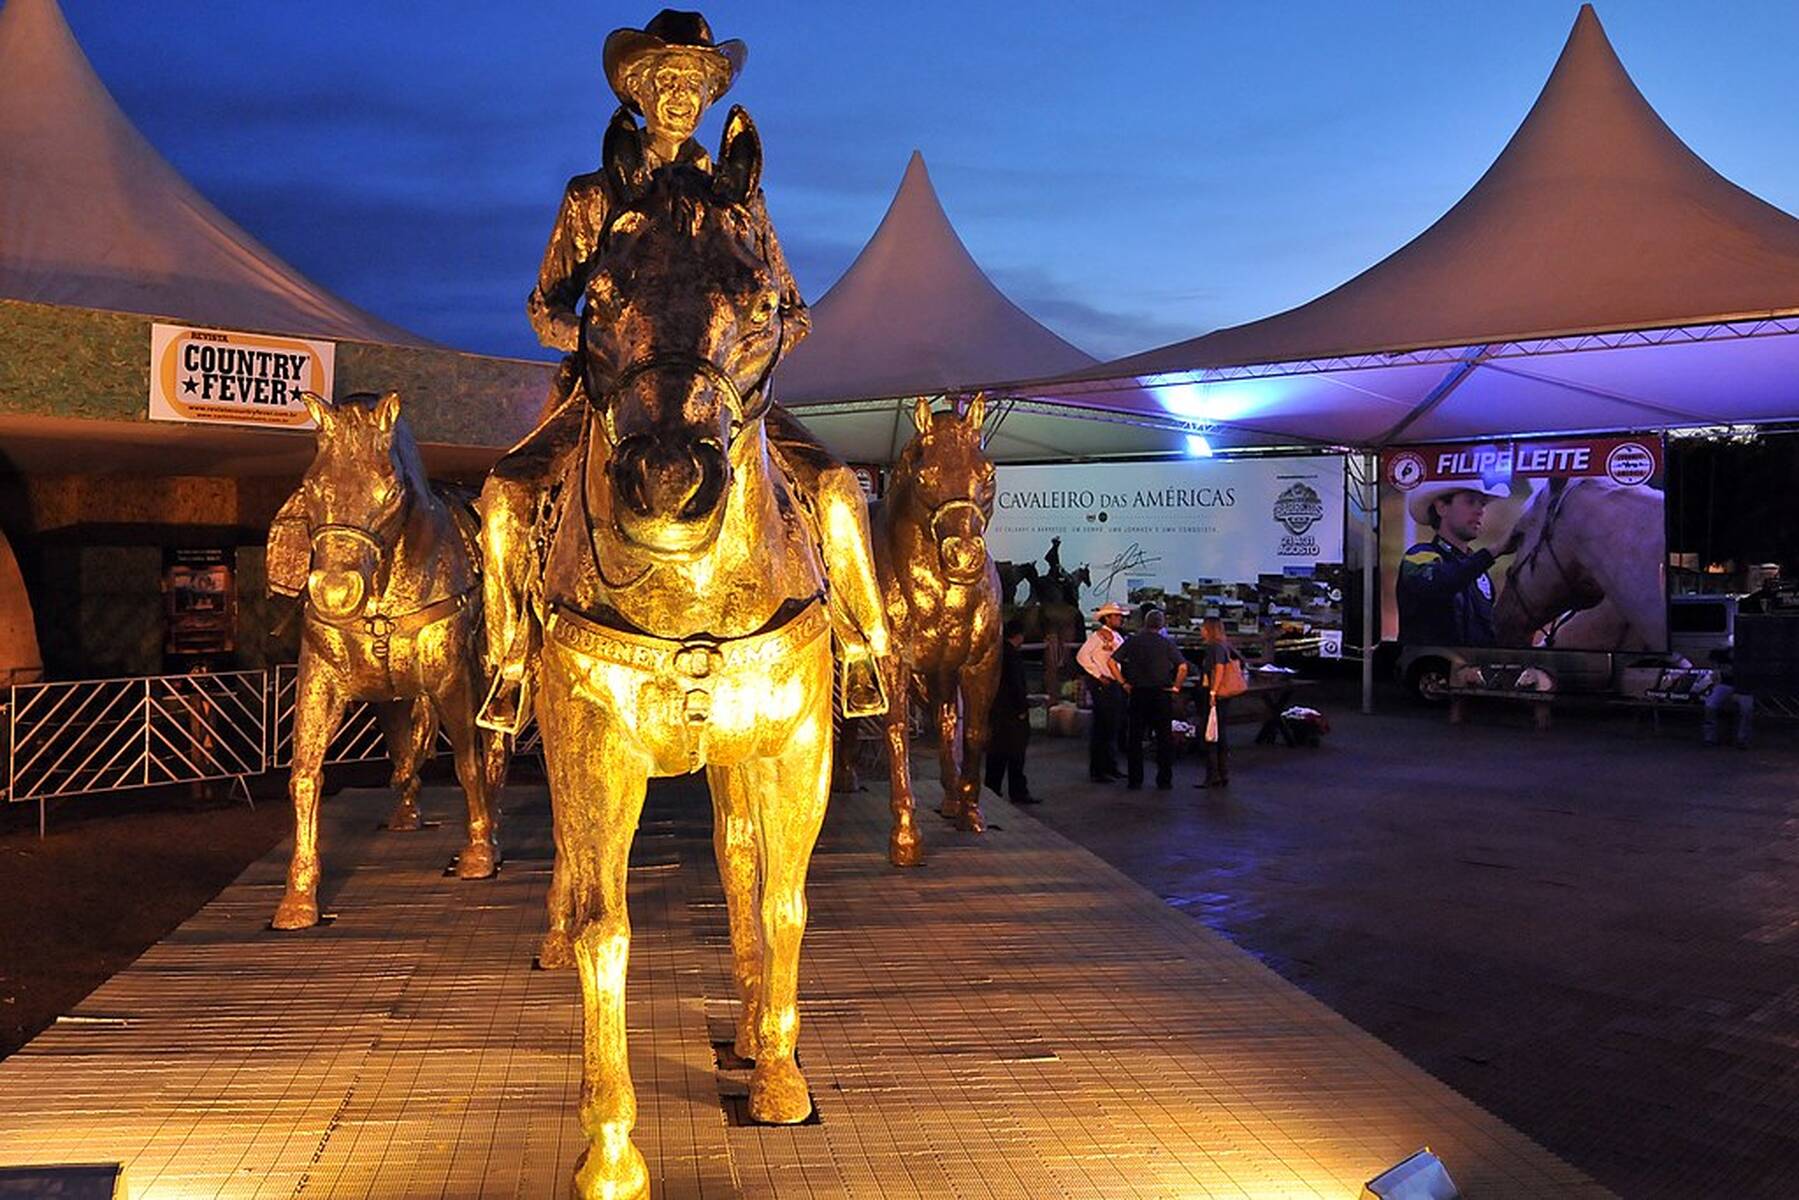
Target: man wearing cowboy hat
(1106, 686)
(669, 73)
(1445, 594)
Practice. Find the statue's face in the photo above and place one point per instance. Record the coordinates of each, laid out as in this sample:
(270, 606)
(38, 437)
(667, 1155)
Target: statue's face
(676, 96)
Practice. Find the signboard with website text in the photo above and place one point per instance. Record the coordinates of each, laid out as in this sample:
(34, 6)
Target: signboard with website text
(217, 377)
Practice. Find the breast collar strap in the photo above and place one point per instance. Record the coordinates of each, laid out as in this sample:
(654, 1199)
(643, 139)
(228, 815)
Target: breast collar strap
(383, 628)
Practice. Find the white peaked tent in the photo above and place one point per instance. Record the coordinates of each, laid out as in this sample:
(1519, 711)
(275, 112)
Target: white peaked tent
(1599, 276)
(91, 216)
(915, 315)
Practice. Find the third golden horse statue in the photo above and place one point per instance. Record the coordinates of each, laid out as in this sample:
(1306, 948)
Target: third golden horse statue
(942, 595)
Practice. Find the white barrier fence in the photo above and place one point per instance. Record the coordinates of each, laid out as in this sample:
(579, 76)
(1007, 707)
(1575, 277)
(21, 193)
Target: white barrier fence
(108, 735)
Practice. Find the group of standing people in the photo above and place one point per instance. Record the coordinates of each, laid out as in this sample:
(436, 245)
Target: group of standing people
(1134, 680)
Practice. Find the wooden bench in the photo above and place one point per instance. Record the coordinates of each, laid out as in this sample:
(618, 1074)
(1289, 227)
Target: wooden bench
(1459, 697)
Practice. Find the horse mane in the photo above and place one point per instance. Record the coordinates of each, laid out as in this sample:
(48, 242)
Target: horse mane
(409, 464)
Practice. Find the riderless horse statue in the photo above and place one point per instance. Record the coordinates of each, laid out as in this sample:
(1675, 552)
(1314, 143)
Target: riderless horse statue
(1590, 547)
(392, 615)
(942, 593)
(682, 602)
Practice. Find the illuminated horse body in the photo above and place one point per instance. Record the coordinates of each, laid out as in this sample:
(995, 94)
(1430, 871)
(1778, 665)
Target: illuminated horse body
(682, 604)
(942, 592)
(1591, 546)
(392, 616)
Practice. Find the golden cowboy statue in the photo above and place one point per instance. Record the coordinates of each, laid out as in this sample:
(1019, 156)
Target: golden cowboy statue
(669, 73)
(670, 560)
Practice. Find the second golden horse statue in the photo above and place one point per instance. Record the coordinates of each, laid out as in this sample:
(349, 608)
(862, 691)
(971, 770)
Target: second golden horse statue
(682, 603)
(390, 584)
(942, 595)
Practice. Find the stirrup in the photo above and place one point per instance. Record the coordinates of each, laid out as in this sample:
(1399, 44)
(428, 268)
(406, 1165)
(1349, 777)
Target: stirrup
(508, 702)
(859, 684)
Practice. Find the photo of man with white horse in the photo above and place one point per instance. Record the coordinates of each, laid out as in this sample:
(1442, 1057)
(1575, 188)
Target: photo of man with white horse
(1553, 544)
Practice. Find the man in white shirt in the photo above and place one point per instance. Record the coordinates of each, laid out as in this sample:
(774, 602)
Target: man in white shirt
(1106, 686)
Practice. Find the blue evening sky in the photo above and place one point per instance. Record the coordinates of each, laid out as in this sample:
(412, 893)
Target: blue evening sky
(1130, 174)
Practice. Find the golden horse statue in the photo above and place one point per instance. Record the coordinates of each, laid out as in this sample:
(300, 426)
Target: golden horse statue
(392, 615)
(941, 590)
(682, 603)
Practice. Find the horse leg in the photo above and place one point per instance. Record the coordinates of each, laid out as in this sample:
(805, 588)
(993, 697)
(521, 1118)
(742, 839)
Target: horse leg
(734, 845)
(409, 728)
(978, 684)
(949, 759)
(455, 702)
(904, 847)
(318, 709)
(597, 783)
(789, 795)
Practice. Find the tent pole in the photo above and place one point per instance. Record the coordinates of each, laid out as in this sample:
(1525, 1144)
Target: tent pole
(1370, 548)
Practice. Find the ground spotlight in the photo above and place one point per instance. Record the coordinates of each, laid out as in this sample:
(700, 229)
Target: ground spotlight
(1420, 1177)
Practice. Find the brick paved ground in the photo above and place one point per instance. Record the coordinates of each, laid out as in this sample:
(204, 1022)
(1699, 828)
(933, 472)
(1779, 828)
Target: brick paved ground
(1015, 1020)
(1593, 932)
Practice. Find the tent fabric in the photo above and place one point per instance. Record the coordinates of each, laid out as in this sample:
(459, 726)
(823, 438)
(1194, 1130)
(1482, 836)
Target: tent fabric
(1514, 313)
(91, 216)
(916, 315)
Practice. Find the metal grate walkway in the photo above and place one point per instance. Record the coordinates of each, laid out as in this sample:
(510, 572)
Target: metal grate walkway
(1016, 1019)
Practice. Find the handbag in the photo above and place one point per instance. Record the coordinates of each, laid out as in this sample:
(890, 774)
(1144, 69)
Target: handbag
(1229, 680)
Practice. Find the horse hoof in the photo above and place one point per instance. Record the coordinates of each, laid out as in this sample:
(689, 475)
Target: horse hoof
(970, 820)
(778, 1094)
(296, 912)
(625, 1178)
(745, 1046)
(949, 810)
(405, 820)
(556, 951)
(478, 860)
(905, 850)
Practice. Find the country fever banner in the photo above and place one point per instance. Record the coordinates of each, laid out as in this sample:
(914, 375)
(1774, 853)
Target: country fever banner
(215, 376)
(1546, 543)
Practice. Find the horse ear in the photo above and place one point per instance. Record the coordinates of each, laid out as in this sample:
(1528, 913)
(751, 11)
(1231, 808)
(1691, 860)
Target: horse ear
(387, 411)
(921, 414)
(316, 408)
(739, 168)
(977, 411)
(622, 156)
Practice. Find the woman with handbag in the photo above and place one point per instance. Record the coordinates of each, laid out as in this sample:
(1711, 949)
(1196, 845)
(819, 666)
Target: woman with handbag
(1221, 672)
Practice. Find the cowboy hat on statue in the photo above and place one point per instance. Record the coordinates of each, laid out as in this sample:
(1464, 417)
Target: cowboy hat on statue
(671, 39)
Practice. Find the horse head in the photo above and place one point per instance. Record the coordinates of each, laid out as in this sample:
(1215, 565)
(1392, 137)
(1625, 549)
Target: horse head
(945, 481)
(680, 332)
(356, 495)
(1543, 581)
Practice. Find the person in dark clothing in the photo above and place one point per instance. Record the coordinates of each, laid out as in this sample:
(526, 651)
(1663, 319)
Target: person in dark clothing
(1445, 595)
(1009, 727)
(1218, 652)
(1725, 694)
(1154, 670)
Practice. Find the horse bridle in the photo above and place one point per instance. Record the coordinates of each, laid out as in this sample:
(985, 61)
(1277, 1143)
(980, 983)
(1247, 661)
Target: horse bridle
(1545, 544)
(946, 508)
(744, 412)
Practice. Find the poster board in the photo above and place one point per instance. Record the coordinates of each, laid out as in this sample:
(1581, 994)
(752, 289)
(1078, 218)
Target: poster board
(1588, 571)
(1258, 542)
(219, 377)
